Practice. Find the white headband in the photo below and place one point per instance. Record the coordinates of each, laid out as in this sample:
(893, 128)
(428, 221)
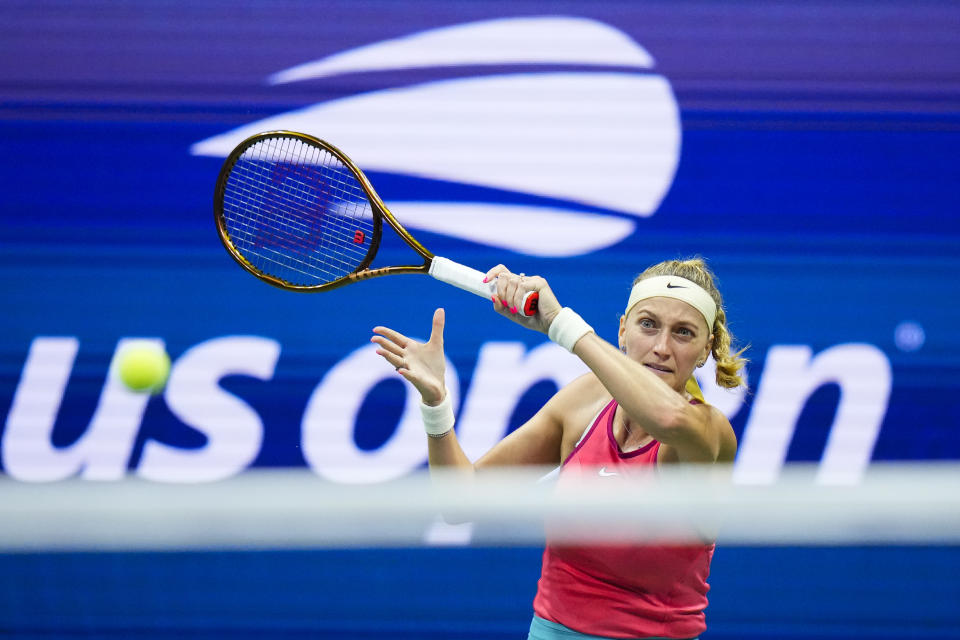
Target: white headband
(679, 289)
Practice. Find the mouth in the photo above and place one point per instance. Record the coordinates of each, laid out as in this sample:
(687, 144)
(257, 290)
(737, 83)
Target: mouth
(656, 368)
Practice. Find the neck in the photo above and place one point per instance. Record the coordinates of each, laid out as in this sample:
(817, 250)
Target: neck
(630, 438)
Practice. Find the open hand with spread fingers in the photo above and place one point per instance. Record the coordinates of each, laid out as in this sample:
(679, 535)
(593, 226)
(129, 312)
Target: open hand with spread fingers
(422, 363)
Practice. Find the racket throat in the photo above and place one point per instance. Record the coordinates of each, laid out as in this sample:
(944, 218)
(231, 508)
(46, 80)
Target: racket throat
(366, 274)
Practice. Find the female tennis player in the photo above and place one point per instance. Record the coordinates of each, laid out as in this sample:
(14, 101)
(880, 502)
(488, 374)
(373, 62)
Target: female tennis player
(632, 411)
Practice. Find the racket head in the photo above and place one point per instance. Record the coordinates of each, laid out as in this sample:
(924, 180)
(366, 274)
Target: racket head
(295, 212)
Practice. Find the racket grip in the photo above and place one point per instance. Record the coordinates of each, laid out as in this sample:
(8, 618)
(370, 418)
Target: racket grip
(468, 279)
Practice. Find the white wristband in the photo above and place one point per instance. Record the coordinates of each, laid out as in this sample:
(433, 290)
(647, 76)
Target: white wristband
(437, 420)
(567, 328)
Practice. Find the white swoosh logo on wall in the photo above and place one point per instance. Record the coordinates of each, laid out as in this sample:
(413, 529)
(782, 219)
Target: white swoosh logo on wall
(539, 40)
(540, 135)
(537, 231)
(601, 139)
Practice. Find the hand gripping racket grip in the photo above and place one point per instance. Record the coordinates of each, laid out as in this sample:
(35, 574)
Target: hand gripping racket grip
(471, 280)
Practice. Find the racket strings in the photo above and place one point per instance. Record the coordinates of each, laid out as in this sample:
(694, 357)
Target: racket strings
(257, 242)
(310, 239)
(295, 212)
(269, 240)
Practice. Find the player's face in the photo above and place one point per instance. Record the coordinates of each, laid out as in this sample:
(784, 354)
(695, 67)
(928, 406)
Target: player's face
(667, 336)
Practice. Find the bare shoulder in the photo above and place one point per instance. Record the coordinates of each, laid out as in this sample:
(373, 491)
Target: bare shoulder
(576, 405)
(581, 394)
(717, 435)
(545, 439)
(728, 438)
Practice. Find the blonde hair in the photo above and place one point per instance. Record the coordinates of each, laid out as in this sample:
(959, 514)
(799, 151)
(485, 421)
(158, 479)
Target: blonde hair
(695, 269)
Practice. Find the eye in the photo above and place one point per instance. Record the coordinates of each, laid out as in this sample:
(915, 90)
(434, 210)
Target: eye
(685, 333)
(647, 323)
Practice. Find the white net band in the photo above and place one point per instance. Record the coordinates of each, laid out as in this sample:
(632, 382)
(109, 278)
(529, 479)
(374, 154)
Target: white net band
(892, 505)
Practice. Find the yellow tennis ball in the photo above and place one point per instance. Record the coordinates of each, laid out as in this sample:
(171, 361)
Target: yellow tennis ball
(143, 367)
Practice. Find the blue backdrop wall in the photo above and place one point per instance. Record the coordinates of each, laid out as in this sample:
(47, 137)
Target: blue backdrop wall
(807, 150)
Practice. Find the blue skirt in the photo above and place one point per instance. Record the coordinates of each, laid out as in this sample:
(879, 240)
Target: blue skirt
(541, 629)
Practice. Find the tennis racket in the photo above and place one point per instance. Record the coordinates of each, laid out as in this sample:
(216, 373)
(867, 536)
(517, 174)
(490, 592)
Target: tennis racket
(297, 213)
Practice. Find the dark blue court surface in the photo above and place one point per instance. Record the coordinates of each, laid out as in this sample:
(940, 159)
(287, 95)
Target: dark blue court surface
(834, 593)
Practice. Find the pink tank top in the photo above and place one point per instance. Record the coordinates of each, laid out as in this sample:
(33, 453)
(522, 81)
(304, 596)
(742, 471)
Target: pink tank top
(622, 591)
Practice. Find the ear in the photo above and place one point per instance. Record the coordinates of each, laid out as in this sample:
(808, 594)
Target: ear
(623, 329)
(707, 349)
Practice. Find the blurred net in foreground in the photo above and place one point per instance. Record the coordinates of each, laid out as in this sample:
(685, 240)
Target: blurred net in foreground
(288, 555)
(897, 504)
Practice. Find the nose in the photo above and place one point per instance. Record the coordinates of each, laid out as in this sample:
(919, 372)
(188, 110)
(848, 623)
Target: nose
(660, 346)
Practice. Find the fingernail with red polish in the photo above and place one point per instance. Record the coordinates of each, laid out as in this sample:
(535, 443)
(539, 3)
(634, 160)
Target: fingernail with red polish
(513, 310)
(485, 279)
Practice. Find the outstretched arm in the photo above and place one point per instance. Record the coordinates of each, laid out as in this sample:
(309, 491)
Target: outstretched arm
(424, 364)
